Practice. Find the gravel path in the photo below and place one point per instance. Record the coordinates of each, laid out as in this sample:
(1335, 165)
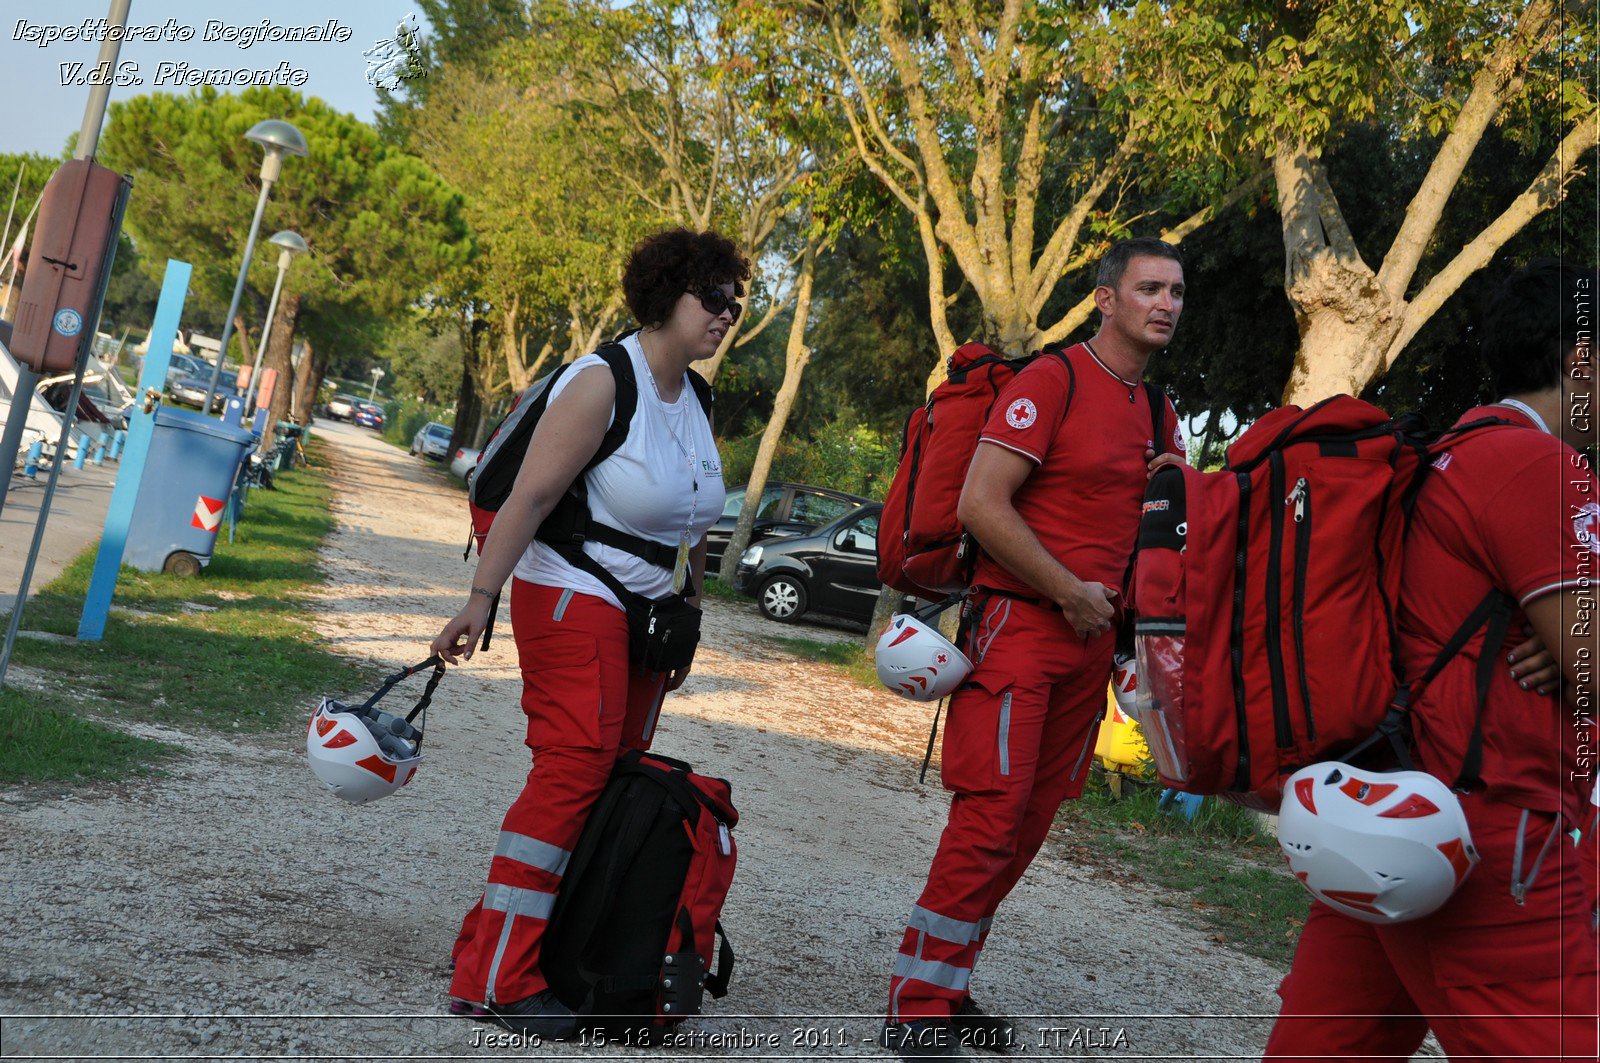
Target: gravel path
(234, 909)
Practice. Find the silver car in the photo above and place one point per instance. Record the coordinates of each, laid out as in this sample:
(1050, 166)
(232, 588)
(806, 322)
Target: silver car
(464, 462)
(342, 408)
(432, 440)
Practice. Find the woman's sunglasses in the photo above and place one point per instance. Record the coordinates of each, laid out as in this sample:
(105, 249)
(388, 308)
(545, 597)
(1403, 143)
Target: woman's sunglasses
(715, 301)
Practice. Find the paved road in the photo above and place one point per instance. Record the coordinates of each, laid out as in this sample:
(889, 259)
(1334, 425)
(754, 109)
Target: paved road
(77, 516)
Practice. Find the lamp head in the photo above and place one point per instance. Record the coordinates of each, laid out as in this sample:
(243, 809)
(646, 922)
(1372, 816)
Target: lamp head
(292, 242)
(279, 138)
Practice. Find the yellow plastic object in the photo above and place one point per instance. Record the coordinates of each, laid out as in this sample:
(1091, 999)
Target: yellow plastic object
(1120, 744)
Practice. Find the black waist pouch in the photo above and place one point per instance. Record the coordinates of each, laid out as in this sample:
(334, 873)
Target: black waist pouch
(662, 632)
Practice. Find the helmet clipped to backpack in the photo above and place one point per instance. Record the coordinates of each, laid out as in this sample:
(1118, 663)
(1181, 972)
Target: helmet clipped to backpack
(1381, 847)
(362, 753)
(917, 662)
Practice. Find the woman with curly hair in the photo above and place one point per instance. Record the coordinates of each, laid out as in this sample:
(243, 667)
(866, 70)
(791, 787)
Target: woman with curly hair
(585, 701)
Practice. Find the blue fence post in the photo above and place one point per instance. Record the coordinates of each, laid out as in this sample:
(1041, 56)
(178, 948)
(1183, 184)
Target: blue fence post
(118, 438)
(30, 467)
(152, 378)
(99, 449)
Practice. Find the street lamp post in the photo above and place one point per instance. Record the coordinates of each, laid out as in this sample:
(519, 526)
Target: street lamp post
(292, 245)
(279, 138)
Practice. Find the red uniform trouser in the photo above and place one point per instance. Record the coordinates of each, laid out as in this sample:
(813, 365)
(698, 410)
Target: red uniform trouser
(585, 704)
(1016, 744)
(1492, 979)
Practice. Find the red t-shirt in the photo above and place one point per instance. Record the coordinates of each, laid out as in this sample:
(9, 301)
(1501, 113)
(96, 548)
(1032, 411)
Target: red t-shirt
(1514, 509)
(1084, 497)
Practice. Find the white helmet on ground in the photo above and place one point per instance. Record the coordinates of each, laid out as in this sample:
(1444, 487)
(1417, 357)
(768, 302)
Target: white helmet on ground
(917, 662)
(361, 757)
(1381, 847)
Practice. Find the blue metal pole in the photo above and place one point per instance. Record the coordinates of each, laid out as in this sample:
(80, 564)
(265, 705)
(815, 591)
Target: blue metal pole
(99, 449)
(30, 468)
(83, 452)
(97, 604)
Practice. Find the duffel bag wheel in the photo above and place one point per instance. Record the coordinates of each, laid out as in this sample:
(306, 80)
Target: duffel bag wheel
(783, 598)
(182, 563)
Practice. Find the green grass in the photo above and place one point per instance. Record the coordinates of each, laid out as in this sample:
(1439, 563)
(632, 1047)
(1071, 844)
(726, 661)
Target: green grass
(42, 739)
(231, 650)
(715, 588)
(849, 656)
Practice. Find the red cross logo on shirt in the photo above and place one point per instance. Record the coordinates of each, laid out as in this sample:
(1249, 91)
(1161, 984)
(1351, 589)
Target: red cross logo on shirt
(1021, 414)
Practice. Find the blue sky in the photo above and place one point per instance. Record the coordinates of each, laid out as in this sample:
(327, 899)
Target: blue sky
(38, 113)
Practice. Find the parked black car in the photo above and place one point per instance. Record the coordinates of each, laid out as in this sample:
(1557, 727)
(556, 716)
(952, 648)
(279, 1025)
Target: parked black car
(786, 509)
(832, 570)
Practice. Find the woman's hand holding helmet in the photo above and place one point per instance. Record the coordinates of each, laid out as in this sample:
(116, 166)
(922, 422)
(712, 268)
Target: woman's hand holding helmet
(460, 636)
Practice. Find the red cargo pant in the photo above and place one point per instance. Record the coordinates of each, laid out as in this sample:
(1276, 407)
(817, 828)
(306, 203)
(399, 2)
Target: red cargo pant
(1016, 744)
(585, 704)
(1492, 979)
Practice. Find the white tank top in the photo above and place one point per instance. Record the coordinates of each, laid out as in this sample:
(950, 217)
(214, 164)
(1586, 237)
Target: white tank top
(647, 488)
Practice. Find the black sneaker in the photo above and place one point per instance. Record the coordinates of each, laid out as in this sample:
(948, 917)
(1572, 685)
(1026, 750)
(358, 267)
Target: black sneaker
(540, 1014)
(976, 1028)
(922, 1039)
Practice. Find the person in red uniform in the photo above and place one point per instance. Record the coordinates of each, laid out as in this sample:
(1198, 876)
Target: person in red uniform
(584, 700)
(1053, 496)
(1507, 966)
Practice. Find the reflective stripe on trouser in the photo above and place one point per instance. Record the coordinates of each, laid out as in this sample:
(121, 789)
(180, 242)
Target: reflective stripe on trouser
(1492, 979)
(584, 704)
(1014, 749)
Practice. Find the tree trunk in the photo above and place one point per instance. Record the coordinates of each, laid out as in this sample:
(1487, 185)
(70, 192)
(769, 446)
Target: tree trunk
(511, 339)
(247, 359)
(796, 356)
(1338, 304)
(1356, 321)
(279, 346)
(307, 382)
(469, 403)
(882, 612)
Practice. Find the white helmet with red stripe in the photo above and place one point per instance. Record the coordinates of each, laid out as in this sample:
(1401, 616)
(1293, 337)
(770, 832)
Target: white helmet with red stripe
(1381, 847)
(1125, 683)
(361, 757)
(917, 662)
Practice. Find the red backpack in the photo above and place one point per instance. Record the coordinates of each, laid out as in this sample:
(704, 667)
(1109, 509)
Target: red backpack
(922, 547)
(1264, 598)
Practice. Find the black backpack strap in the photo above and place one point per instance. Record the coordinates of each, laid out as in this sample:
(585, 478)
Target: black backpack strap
(573, 555)
(570, 524)
(933, 736)
(717, 981)
(1497, 623)
(488, 625)
(1492, 615)
(1072, 381)
(702, 391)
(616, 356)
(1158, 416)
